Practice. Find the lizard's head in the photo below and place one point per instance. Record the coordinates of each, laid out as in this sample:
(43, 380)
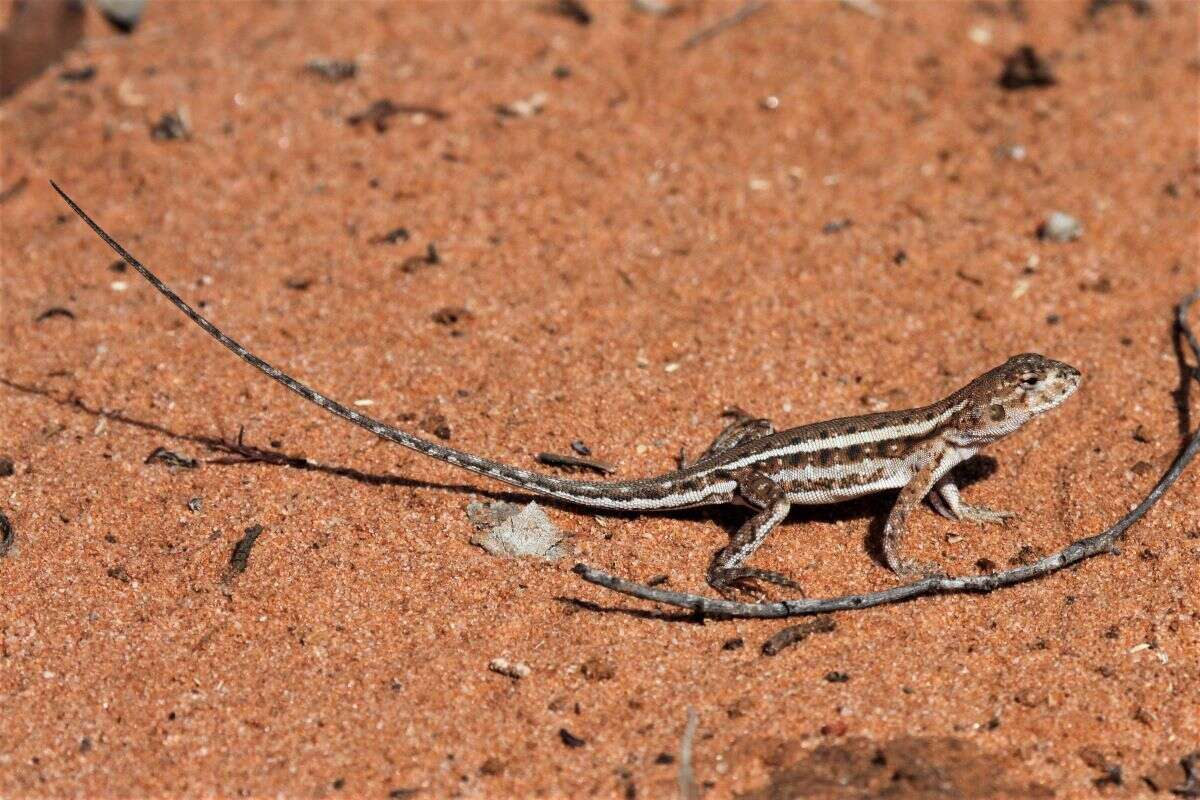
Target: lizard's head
(1002, 400)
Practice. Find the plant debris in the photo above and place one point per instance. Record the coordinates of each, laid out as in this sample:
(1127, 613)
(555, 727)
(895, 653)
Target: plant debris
(55, 311)
(794, 634)
(451, 315)
(437, 425)
(6, 467)
(430, 258)
(81, 75)
(162, 455)
(381, 111)
(391, 237)
(333, 70)
(7, 535)
(743, 13)
(579, 447)
(570, 739)
(575, 462)
(1025, 69)
(241, 551)
(573, 10)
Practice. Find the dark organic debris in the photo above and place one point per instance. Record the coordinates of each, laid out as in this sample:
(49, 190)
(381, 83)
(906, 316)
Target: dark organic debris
(1140, 7)
(794, 634)
(736, 643)
(391, 237)
(575, 462)
(837, 677)
(451, 315)
(15, 189)
(298, 284)
(170, 126)
(379, 112)
(119, 573)
(573, 10)
(430, 258)
(56, 311)
(570, 739)
(82, 75)
(6, 467)
(241, 551)
(7, 534)
(657, 580)
(743, 13)
(437, 425)
(836, 226)
(579, 447)
(195, 504)
(118, 266)
(1025, 69)
(331, 69)
(162, 455)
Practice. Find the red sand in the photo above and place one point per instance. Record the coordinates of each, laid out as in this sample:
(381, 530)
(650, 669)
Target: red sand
(652, 215)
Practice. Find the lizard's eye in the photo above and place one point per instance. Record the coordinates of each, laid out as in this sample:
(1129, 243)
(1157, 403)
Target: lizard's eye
(1029, 381)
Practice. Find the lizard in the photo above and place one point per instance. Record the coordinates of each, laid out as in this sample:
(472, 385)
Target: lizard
(751, 464)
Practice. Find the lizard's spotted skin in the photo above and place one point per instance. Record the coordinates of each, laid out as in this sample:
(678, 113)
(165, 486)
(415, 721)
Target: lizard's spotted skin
(751, 464)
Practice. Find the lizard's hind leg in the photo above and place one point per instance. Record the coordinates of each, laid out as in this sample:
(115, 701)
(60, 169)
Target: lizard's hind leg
(744, 428)
(727, 573)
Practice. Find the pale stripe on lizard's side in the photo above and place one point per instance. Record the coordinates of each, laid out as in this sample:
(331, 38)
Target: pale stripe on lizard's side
(750, 464)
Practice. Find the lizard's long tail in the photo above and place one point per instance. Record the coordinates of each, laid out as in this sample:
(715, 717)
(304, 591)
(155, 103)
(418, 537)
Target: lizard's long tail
(667, 491)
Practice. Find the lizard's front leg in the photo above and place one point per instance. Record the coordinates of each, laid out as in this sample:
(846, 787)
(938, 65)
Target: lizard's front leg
(908, 499)
(946, 500)
(726, 572)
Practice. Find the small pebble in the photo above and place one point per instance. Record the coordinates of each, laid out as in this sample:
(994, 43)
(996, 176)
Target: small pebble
(510, 669)
(1060, 227)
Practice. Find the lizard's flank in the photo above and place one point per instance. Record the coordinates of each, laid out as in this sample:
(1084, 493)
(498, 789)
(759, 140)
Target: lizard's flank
(751, 464)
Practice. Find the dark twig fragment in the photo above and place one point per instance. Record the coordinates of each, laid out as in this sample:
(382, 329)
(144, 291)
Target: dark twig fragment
(570, 739)
(795, 634)
(7, 534)
(743, 13)
(162, 455)
(556, 460)
(1079, 550)
(241, 551)
(379, 112)
(573, 10)
(55, 311)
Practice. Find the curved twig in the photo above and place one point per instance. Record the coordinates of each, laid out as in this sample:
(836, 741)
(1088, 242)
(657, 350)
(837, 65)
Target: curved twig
(1073, 553)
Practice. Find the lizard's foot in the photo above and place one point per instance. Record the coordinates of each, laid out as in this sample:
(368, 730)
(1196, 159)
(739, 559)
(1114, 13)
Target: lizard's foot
(984, 515)
(745, 579)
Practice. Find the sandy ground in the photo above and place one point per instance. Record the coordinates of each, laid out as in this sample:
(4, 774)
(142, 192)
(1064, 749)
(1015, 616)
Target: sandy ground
(642, 239)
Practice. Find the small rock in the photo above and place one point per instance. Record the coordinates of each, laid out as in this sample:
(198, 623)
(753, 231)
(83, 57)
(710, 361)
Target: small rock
(1060, 227)
(510, 669)
(170, 126)
(570, 739)
(195, 504)
(656, 7)
(524, 109)
(331, 69)
(528, 534)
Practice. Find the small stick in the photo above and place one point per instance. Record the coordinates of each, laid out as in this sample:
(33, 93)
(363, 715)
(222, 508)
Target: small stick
(241, 553)
(556, 460)
(1077, 551)
(796, 634)
(687, 778)
(7, 534)
(747, 10)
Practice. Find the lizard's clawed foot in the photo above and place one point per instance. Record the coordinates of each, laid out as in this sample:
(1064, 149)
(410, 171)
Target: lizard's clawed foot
(745, 579)
(984, 515)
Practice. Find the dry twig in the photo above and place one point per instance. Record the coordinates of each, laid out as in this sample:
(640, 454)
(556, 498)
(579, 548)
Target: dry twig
(1077, 551)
